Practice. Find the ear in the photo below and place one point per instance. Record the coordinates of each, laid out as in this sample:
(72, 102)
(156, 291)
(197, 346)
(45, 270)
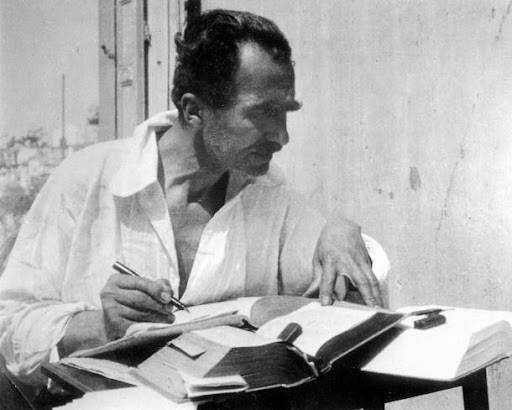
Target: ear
(192, 107)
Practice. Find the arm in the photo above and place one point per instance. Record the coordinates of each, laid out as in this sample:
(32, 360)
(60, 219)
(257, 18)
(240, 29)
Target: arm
(37, 315)
(32, 316)
(316, 256)
(125, 300)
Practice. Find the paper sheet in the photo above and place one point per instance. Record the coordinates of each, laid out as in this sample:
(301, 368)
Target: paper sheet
(233, 337)
(106, 368)
(201, 386)
(241, 306)
(130, 398)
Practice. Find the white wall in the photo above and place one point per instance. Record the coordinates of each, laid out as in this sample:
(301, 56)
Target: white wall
(406, 128)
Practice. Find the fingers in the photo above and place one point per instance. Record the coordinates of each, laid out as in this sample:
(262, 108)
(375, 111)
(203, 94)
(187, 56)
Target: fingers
(128, 299)
(118, 318)
(137, 291)
(341, 287)
(368, 285)
(362, 277)
(159, 290)
(329, 276)
(136, 315)
(140, 301)
(333, 283)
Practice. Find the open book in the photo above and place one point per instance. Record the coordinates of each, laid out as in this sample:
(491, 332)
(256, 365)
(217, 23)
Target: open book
(470, 339)
(243, 345)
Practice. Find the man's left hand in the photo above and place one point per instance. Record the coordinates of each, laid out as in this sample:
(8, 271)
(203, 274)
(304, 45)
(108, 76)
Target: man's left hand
(341, 253)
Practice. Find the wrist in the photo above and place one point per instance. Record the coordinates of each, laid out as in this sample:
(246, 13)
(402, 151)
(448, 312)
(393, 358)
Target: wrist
(85, 330)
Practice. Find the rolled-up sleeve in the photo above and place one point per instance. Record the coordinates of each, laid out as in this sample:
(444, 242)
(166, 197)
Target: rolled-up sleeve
(33, 316)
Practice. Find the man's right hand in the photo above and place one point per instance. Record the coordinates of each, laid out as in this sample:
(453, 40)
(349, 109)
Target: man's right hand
(128, 299)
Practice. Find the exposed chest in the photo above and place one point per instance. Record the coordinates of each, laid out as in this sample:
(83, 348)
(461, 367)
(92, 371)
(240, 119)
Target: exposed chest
(188, 225)
(189, 218)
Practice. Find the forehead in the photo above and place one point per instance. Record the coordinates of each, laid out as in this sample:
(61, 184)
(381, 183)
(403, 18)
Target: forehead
(260, 78)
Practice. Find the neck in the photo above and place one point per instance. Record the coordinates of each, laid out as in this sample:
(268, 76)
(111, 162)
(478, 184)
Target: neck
(180, 162)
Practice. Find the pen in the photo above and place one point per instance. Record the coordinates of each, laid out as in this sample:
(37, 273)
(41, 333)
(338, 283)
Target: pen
(125, 270)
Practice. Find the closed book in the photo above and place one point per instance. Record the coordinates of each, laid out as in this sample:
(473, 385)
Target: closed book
(468, 340)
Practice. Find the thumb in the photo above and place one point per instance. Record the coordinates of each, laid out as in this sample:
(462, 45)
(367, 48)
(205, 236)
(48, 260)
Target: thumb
(165, 290)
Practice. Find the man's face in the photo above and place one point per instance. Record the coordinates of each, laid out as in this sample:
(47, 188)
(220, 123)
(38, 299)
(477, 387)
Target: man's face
(246, 134)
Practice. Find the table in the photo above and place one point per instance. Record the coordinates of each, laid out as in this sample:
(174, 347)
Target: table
(341, 388)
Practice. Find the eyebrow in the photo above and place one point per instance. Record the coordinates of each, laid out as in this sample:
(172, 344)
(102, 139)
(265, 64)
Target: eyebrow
(289, 105)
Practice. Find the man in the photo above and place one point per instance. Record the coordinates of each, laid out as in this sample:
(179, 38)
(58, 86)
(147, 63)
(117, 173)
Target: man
(191, 202)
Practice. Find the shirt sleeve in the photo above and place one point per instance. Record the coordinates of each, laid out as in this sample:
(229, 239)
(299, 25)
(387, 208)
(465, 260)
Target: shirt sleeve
(299, 237)
(33, 316)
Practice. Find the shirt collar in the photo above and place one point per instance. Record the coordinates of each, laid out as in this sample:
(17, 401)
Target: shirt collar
(140, 166)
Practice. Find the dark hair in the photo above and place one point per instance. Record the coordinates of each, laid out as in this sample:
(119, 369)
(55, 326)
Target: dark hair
(208, 53)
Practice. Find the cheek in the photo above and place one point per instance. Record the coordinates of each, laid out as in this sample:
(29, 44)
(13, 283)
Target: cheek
(241, 137)
(249, 133)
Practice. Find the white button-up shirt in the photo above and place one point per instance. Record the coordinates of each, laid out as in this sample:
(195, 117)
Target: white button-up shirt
(104, 204)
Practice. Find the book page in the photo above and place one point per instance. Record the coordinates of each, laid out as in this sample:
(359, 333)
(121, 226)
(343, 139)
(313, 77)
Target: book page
(241, 306)
(203, 386)
(318, 324)
(129, 398)
(431, 354)
(233, 337)
(106, 368)
(462, 318)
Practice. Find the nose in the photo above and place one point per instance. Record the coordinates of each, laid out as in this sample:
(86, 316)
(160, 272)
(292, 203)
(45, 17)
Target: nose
(278, 131)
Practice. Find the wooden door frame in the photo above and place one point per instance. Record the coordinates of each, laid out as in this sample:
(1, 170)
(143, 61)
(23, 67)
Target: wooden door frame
(136, 60)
